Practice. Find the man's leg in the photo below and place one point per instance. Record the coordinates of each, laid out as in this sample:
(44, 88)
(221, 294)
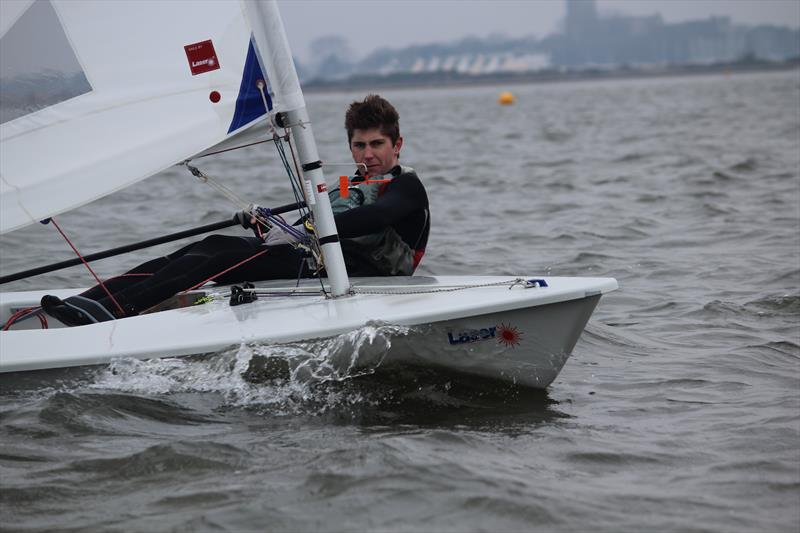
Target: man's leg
(180, 271)
(184, 269)
(86, 308)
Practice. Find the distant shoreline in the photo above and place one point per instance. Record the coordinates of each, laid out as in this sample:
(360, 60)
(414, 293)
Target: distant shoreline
(455, 79)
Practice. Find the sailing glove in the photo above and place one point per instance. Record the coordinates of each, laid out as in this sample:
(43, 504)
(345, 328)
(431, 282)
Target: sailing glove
(247, 220)
(245, 217)
(277, 236)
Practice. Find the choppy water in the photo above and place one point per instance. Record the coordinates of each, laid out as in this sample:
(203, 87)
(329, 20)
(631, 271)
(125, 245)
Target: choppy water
(679, 410)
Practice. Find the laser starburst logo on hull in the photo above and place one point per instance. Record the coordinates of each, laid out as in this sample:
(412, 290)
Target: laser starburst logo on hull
(506, 334)
(509, 335)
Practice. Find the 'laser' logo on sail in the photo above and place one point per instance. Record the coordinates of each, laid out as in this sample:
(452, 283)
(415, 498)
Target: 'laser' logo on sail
(210, 62)
(202, 57)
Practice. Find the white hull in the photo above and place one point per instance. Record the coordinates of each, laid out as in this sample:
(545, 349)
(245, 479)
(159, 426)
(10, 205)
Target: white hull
(476, 325)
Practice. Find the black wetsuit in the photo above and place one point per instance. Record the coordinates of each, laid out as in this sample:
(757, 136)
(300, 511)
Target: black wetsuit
(402, 205)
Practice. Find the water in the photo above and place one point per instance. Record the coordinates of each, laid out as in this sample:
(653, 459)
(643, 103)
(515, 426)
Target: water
(679, 410)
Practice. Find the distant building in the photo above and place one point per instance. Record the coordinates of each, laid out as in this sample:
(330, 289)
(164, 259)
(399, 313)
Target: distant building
(590, 39)
(587, 39)
(581, 16)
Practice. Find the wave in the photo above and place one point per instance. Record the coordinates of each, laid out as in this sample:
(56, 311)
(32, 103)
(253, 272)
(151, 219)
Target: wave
(746, 165)
(162, 460)
(787, 303)
(767, 306)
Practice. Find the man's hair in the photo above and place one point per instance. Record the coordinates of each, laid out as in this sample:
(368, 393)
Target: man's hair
(373, 112)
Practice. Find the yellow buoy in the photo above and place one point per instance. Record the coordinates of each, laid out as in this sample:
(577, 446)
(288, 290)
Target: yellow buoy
(505, 98)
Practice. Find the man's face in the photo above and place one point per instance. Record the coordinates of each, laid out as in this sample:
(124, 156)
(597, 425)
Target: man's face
(375, 150)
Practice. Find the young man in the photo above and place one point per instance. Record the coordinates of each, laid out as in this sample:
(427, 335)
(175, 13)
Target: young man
(383, 227)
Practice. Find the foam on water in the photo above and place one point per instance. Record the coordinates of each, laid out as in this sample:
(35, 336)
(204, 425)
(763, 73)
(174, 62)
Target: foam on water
(283, 377)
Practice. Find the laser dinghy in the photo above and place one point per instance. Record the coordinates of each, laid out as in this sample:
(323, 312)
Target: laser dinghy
(166, 83)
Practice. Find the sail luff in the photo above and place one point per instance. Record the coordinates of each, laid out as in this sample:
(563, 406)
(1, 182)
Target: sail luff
(270, 36)
(276, 55)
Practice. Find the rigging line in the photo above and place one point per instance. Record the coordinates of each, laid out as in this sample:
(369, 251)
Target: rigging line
(312, 248)
(233, 197)
(261, 85)
(212, 278)
(317, 252)
(237, 147)
(237, 265)
(268, 220)
(298, 199)
(294, 182)
(21, 315)
(294, 160)
(99, 281)
(301, 177)
(293, 179)
(225, 191)
(387, 290)
(297, 179)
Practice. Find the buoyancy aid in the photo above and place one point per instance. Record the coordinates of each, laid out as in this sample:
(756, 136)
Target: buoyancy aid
(384, 251)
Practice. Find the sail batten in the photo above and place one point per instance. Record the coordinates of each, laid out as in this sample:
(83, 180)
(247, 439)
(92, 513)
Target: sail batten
(166, 83)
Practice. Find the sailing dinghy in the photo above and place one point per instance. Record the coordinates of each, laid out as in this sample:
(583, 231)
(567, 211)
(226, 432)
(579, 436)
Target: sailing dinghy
(214, 76)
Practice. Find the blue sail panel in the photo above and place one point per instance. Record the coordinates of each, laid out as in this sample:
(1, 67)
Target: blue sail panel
(249, 105)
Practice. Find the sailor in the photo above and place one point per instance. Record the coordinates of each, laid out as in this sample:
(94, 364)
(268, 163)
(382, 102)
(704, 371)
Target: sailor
(383, 223)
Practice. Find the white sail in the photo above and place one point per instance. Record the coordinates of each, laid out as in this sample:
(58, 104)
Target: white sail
(151, 88)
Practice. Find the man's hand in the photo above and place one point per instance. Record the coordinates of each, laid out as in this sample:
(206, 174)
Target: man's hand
(245, 217)
(277, 236)
(247, 220)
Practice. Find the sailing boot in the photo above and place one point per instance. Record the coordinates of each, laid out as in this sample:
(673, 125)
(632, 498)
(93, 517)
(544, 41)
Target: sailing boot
(75, 310)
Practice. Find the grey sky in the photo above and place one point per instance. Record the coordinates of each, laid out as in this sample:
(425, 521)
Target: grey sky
(397, 23)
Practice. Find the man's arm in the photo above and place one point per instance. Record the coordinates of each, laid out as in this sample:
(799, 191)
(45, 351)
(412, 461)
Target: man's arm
(404, 195)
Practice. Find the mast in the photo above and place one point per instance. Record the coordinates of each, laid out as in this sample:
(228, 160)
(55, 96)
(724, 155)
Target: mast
(273, 47)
